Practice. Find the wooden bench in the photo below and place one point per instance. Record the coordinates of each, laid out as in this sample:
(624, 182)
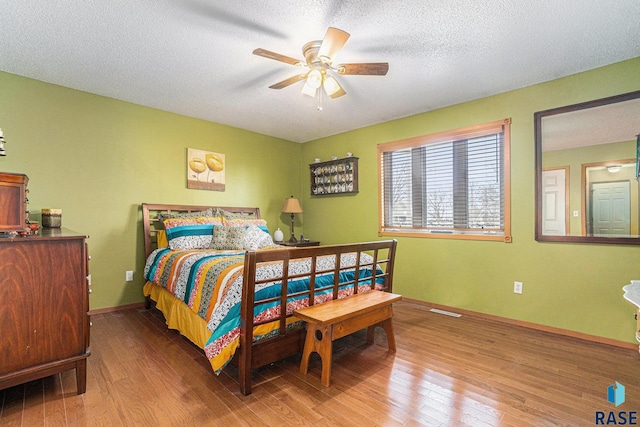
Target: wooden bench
(338, 318)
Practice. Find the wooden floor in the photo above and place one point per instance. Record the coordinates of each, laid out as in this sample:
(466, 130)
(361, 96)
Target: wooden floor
(447, 371)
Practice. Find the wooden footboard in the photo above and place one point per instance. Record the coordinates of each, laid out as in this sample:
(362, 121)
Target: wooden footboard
(252, 354)
(286, 341)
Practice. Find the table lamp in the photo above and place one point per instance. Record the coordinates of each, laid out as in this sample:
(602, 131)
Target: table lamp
(292, 206)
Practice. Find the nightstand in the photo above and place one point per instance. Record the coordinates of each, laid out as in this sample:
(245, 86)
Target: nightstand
(300, 244)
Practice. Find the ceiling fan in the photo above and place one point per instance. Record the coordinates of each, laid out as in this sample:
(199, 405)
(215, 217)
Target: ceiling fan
(318, 65)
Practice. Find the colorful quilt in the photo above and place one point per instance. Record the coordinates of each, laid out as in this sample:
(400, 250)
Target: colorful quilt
(210, 284)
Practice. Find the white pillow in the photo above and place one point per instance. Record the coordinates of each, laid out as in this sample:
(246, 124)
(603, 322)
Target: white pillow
(255, 238)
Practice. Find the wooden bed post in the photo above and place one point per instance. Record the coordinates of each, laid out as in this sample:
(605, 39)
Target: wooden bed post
(389, 265)
(246, 322)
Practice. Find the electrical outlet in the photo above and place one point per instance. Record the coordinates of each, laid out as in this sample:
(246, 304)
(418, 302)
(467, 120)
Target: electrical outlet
(128, 276)
(517, 287)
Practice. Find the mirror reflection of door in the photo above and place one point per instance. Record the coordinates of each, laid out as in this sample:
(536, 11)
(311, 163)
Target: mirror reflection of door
(612, 201)
(598, 135)
(610, 208)
(554, 202)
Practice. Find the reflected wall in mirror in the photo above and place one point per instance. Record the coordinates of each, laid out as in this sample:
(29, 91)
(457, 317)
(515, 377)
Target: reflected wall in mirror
(587, 171)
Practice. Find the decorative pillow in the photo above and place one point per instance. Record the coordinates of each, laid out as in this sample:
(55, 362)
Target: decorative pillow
(235, 215)
(246, 222)
(255, 238)
(190, 233)
(211, 212)
(236, 219)
(227, 238)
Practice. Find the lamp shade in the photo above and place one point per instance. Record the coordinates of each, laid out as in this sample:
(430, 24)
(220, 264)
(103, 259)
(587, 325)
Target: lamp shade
(292, 205)
(308, 90)
(314, 79)
(331, 85)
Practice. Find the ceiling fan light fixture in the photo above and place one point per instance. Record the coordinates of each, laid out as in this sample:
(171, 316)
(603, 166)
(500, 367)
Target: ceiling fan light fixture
(319, 56)
(314, 79)
(308, 90)
(331, 86)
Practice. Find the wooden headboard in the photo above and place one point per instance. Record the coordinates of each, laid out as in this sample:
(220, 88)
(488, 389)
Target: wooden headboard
(151, 225)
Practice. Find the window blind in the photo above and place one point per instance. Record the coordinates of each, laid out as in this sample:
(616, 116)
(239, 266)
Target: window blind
(448, 183)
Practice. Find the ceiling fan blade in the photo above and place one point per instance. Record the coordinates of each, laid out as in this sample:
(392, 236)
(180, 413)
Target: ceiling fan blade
(287, 82)
(332, 43)
(276, 56)
(365, 69)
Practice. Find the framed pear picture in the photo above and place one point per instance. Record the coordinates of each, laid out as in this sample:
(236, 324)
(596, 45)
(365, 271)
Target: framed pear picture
(205, 170)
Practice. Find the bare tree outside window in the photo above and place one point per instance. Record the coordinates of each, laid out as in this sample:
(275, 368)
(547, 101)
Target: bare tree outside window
(484, 206)
(439, 208)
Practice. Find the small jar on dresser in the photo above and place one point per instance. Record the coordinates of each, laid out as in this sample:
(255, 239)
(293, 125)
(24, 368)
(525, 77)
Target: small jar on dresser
(44, 305)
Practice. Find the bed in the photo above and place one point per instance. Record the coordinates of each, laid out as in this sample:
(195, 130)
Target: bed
(233, 297)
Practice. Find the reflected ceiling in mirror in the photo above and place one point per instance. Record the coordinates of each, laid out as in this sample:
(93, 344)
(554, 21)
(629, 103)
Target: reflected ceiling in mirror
(581, 195)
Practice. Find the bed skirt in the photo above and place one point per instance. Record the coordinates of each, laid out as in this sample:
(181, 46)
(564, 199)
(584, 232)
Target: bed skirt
(178, 315)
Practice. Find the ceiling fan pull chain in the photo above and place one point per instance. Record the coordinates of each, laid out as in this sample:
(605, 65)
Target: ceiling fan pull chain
(319, 107)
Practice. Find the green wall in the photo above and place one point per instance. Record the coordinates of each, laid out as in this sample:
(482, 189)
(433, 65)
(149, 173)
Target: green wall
(98, 159)
(568, 286)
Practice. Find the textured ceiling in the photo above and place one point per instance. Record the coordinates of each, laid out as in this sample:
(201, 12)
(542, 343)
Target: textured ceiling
(194, 57)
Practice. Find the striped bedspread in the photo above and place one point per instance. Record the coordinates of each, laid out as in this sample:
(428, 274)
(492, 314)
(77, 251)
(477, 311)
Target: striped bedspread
(210, 284)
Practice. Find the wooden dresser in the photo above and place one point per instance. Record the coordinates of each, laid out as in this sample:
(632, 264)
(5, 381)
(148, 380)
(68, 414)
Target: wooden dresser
(44, 304)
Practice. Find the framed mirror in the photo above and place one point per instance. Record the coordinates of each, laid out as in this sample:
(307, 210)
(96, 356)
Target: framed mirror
(586, 165)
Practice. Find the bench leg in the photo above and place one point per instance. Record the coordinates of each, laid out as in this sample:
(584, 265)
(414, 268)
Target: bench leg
(307, 350)
(387, 325)
(318, 339)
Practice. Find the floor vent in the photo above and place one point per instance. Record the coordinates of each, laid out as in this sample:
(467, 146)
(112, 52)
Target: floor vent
(446, 313)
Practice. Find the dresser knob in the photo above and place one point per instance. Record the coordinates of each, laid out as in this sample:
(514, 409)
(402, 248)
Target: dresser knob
(90, 290)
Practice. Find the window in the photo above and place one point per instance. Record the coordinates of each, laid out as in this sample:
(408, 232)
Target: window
(453, 184)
